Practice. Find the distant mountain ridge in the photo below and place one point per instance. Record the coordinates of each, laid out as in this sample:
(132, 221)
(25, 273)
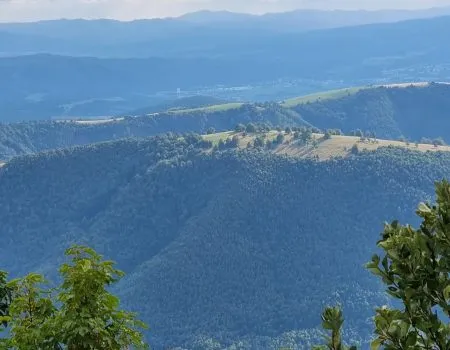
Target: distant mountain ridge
(106, 37)
(220, 59)
(309, 19)
(295, 20)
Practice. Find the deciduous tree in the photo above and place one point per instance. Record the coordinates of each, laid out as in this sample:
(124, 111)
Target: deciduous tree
(81, 314)
(415, 268)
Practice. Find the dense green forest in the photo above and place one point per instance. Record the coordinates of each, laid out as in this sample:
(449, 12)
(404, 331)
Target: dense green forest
(413, 112)
(242, 247)
(32, 137)
(392, 113)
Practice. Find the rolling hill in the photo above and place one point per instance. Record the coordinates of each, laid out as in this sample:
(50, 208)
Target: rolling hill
(42, 86)
(228, 246)
(179, 104)
(23, 138)
(340, 93)
(410, 111)
(319, 147)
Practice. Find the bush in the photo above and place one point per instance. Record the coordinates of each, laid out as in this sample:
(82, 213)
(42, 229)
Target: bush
(416, 271)
(438, 142)
(280, 139)
(426, 140)
(251, 128)
(259, 142)
(239, 128)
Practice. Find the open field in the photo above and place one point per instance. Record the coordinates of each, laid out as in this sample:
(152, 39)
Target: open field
(326, 95)
(417, 84)
(335, 94)
(215, 138)
(340, 146)
(210, 109)
(97, 121)
(336, 146)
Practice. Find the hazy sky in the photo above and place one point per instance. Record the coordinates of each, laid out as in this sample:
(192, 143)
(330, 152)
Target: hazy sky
(26, 10)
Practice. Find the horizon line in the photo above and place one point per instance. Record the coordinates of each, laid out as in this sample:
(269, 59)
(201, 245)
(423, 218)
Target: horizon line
(256, 15)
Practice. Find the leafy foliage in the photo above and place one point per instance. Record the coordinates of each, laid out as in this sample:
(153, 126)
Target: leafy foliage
(79, 315)
(5, 298)
(416, 271)
(31, 315)
(332, 320)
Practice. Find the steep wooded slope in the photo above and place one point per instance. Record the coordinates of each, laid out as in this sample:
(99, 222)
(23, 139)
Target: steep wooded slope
(32, 137)
(390, 112)
(226, 245)
(412, 112)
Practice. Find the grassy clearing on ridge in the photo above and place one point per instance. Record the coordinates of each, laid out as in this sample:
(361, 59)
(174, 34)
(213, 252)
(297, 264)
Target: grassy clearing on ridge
(336, 146)
(214, 108)
(326, 95)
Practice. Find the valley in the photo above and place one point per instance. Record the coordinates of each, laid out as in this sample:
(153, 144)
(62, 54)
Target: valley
(240, 169)
(216, 212)
(162, 208)
(245, 68)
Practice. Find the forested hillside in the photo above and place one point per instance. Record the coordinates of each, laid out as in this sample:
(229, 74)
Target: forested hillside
(32, 137)
(391, 112)
(234, 245)
(414, 113)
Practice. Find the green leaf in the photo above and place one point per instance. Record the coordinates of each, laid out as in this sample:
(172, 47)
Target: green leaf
(423, 208)
(375, 344)
(447, 292)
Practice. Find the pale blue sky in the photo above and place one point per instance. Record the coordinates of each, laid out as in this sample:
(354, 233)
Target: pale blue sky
(26, 10)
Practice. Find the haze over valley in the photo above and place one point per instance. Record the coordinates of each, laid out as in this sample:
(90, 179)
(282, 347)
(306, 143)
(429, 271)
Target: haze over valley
(239, 169)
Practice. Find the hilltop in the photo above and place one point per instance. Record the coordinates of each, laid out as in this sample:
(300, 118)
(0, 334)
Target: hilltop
(23, 138)
(340, 93)
(412, 111)
(229, 245)
(405, 112)
(186, 103)
(318, 146)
